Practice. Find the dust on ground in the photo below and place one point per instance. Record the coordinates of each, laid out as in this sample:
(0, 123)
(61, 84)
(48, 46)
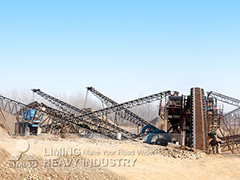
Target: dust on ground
(73, 157)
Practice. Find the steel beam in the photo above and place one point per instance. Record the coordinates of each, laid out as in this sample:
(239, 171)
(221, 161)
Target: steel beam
(224, 98)
(52, 118)
(127, 114)
(129, 104)
(70, 109)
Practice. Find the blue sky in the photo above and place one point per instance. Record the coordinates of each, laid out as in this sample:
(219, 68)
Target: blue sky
(124, 48)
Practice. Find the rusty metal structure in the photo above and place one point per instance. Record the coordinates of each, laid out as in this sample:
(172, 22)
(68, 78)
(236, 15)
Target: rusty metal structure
(189, 120)
(137, 102)
(194, 118)
(229, 123)
(125, 114)
(72, 110)
(97, 115)
(186, 116)
(53, 119)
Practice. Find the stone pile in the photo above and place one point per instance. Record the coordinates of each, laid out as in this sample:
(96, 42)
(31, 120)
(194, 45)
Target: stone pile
(178, 153)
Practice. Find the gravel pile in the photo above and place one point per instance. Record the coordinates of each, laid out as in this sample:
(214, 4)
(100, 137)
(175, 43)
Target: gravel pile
(178, 153)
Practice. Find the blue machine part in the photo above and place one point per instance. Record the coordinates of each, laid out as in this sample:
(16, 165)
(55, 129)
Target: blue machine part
(159, 133)
(149, 129)
(34, 125)
(30, 116)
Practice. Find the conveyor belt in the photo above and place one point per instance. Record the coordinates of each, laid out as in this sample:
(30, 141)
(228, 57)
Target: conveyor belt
(52, 117)
(199, 120)
(122, 106)
(224, 98)
(127, 114)
(74, 110)
(129, 104)
(110, 130)
(61, 104)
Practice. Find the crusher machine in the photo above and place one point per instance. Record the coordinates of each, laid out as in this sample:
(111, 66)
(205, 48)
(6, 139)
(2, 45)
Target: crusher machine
(188, 120)
(192, 119)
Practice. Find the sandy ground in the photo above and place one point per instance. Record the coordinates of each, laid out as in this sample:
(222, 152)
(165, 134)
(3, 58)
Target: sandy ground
(76, 157)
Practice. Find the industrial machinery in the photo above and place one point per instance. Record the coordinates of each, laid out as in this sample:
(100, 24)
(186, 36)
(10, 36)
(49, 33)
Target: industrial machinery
(36, 120)
(76, 112)
(149, 132)
(189, 120)
(89, 116)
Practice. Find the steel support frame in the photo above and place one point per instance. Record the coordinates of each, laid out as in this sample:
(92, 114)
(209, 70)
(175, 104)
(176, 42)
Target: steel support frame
(127, 114)
(51, 118)
(70, 109)
(224, 98)
(129, 104)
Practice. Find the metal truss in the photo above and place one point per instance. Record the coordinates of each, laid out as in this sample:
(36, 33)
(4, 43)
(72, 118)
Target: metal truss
(11, 106)
(231, 119)
(115, 108)
(110, 130)
(52, 119)
(224, 98)
(74, 110)
(233, 112)
(4, 122)
(17, 108)
(128, 115)
(61, 104)
(129, 104)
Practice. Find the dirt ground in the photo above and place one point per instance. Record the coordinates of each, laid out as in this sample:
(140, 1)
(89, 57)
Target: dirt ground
(73, 157)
